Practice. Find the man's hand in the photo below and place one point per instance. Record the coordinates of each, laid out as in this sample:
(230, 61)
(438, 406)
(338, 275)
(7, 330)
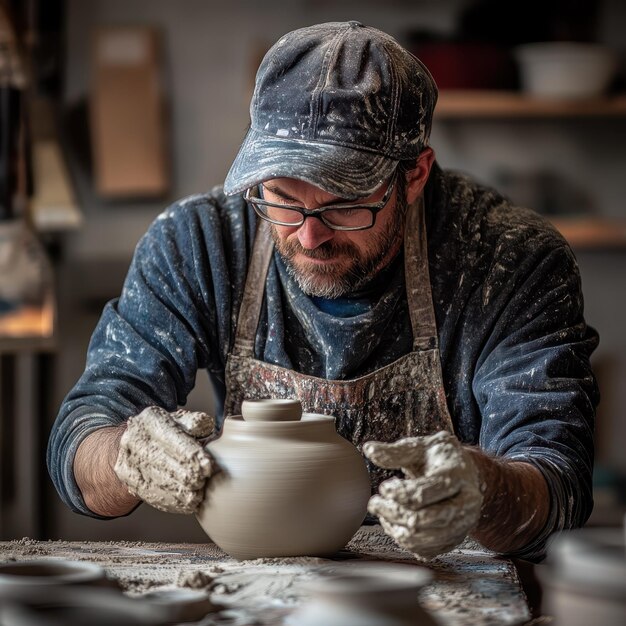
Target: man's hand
(438, 503)
(161, 461)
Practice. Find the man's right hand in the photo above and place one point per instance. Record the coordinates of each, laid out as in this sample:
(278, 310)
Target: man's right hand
(161, 461)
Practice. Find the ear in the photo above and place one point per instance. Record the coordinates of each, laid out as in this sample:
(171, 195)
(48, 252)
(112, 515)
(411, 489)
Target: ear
(417, 177)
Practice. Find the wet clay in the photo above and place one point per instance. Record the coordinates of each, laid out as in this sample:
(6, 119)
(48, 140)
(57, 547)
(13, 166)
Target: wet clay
(160, 460)
(438, 502)
(280, 484)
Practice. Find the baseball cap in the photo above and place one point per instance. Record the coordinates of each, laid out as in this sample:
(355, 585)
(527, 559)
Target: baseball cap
(337, 105)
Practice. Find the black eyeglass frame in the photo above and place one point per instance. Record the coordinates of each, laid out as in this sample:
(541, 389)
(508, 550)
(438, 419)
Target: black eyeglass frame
(374, 208)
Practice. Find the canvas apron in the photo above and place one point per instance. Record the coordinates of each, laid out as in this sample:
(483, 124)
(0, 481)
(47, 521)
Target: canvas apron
(403, 399)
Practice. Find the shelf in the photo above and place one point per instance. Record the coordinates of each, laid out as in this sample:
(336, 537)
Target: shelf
(592, 233)
(582, 233)
(453, 104)
(29, 328)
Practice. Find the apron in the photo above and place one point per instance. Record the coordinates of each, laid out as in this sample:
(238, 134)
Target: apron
(403, 399)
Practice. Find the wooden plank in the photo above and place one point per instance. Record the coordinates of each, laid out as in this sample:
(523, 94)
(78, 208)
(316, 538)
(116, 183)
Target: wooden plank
(587, 233)
(461, 104)
(127, 113)
(29, 328)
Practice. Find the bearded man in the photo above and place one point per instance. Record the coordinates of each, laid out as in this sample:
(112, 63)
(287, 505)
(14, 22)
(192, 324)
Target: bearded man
(340, 265)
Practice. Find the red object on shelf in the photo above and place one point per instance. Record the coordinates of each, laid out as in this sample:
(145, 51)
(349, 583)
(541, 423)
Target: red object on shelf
(471, 65)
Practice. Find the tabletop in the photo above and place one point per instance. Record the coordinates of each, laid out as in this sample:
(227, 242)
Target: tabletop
(470, 585)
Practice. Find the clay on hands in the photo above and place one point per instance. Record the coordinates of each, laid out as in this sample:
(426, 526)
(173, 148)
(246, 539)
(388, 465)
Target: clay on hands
(161, 461)
(438, 503)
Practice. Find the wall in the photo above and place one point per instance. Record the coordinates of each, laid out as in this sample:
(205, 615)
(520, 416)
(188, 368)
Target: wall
(211, 53)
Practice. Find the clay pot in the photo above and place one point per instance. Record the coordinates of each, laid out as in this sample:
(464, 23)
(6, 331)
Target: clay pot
(56, 592)
(366, 594)
(80, 606)
(288, 487)
(26, 579)
(584, 578)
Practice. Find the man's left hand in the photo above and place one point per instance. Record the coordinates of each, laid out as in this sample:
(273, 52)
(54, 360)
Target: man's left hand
(438, 503)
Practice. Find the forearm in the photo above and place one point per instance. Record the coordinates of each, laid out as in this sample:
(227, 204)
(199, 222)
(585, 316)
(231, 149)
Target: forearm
(516, 503)
(102, 491)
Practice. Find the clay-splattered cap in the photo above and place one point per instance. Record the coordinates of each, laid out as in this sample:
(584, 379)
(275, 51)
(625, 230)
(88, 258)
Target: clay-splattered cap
(337, 105)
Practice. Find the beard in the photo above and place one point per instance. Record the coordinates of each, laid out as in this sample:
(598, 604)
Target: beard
(352, 268)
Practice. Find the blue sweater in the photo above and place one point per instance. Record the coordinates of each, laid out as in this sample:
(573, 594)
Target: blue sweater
(514, 344)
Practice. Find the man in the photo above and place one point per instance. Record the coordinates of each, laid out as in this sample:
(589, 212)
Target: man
(340, 265)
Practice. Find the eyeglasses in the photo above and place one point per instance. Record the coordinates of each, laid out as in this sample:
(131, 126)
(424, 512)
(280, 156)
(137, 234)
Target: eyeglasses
(335, 216)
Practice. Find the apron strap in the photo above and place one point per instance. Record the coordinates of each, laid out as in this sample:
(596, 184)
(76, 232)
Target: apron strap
(417, 279)
(254, 290)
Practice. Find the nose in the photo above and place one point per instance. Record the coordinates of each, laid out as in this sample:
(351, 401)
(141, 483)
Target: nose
(314, 233)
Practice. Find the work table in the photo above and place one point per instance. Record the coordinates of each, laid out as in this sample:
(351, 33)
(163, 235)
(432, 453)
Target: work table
(471, 585)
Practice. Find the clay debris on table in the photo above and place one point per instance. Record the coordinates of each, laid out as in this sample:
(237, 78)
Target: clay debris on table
(470, 586)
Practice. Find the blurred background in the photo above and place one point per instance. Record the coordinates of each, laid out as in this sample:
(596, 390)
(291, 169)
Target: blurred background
(112, 109)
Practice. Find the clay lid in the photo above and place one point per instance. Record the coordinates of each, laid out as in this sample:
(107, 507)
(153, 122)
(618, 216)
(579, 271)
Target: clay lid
(271, 410)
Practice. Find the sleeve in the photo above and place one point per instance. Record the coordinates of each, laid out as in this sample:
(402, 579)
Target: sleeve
(172, 318)
(534, 384)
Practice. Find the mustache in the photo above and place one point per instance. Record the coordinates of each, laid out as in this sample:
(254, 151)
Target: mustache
(327, 250)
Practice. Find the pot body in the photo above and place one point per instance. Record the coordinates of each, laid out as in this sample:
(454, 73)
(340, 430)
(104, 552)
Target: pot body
(286, 488)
